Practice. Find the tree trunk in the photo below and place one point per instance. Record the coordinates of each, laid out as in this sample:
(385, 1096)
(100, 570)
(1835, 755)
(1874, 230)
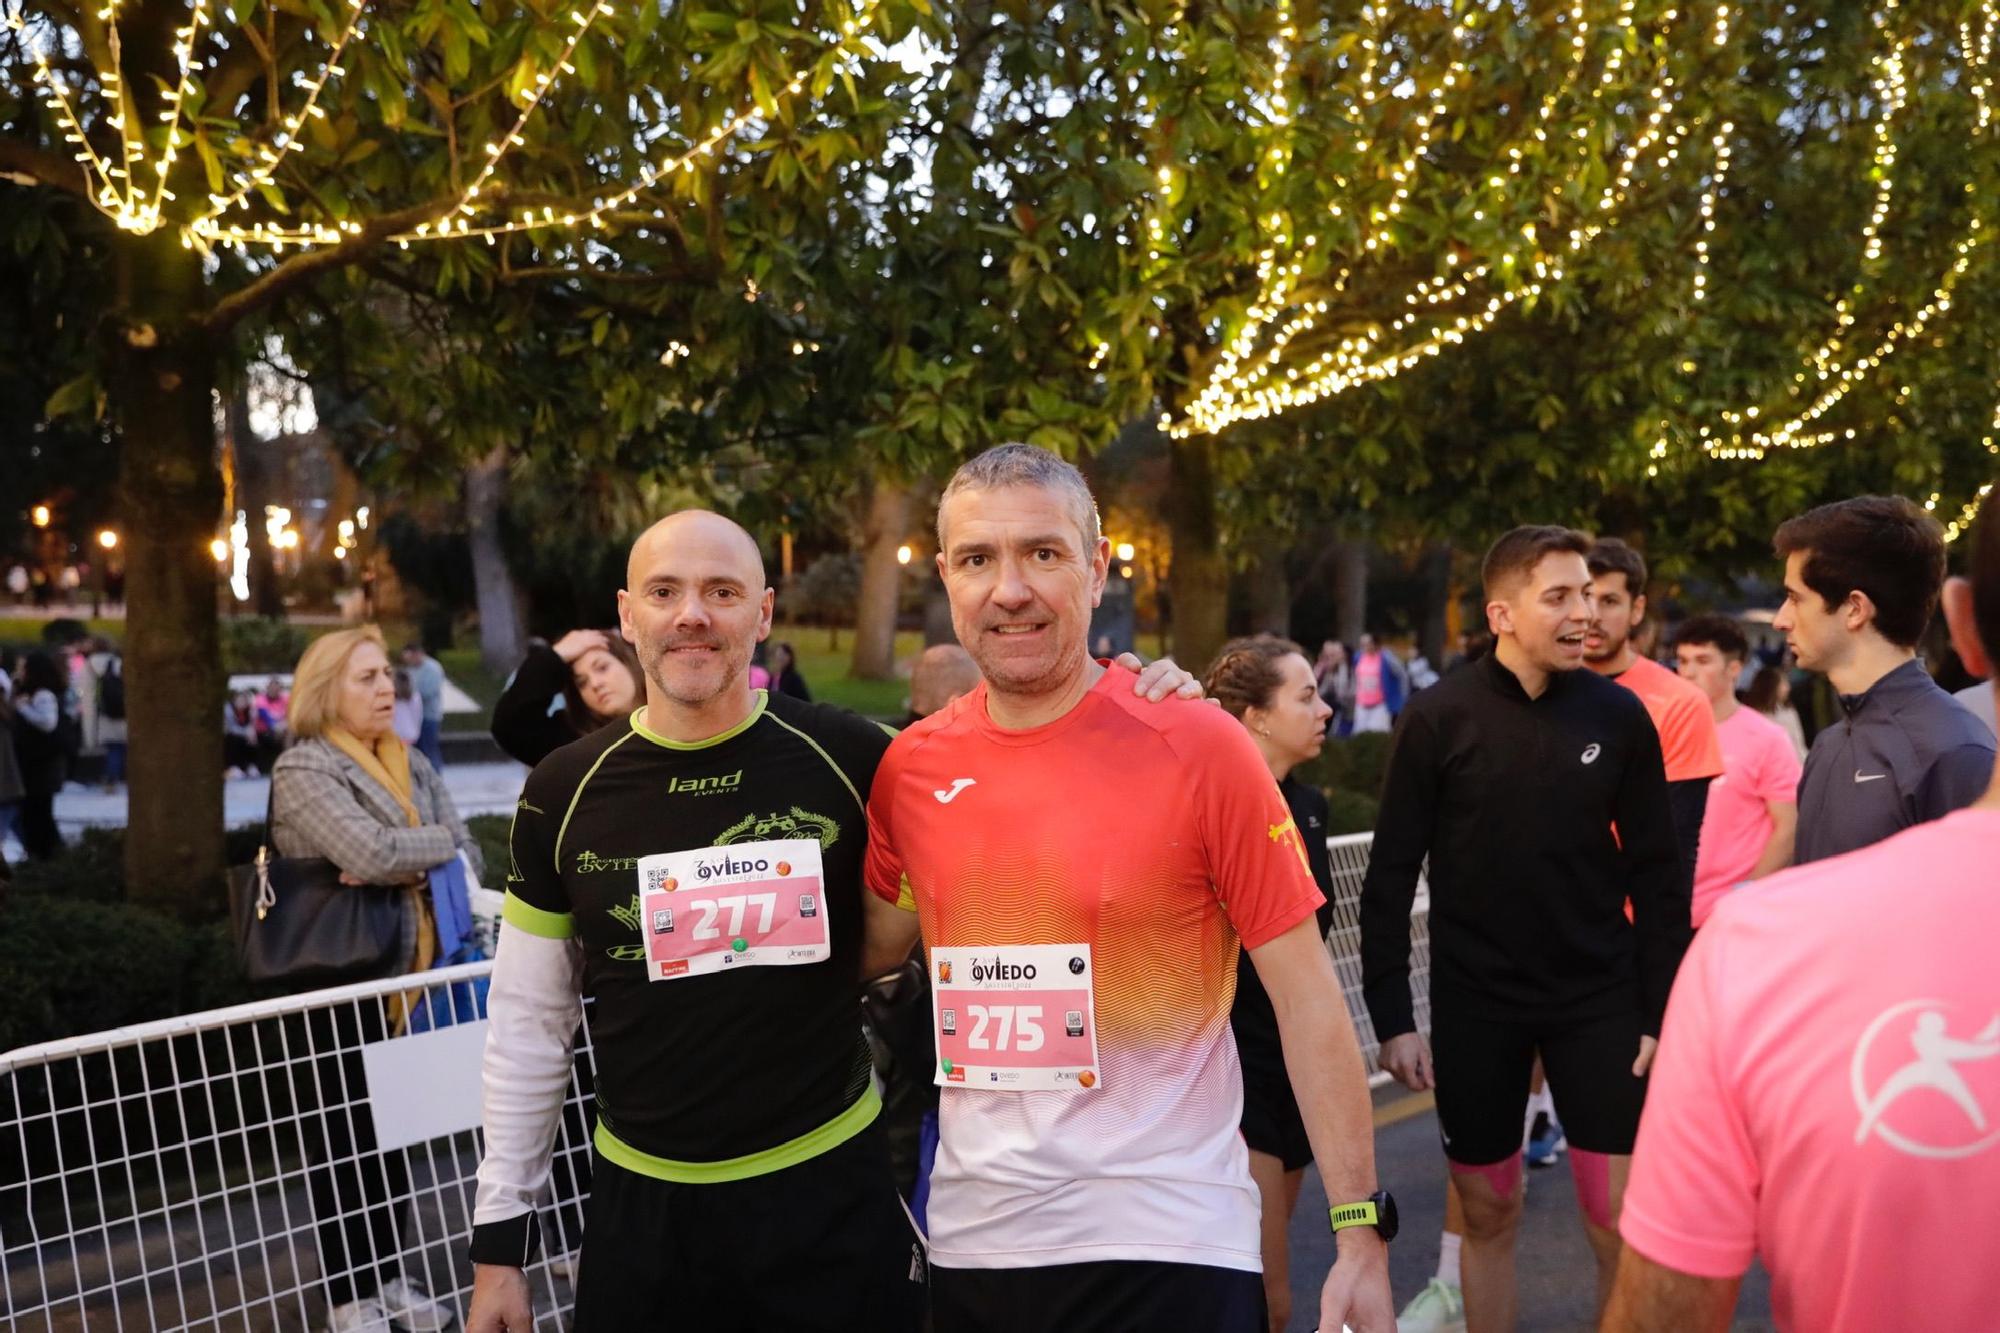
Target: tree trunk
(1199, 577)
(500, 636)
(1267, 591)
(1350, 590)
(170, 493)
(881, 583)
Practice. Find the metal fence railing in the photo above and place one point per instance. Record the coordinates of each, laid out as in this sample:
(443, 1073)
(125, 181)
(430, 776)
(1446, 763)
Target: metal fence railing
(227, 1170)
(1349, 858)
(217, 1170)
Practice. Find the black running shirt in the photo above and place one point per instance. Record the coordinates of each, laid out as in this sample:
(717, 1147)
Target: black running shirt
(735, 1073)
(1514, 801)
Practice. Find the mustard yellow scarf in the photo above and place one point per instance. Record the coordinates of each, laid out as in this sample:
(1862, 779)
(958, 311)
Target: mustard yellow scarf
(387, 761)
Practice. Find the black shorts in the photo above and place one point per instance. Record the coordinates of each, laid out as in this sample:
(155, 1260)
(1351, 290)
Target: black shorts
(1483, 1069)
(1271, 1121)
(823, 1245)
(1116, 1296)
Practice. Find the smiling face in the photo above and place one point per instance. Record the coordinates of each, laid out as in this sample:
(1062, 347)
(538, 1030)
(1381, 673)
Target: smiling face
(1548, 613)
(1615, 614)
(604, 684)
(1022, 579)
(695, 606)
(1295, 715)
(366, 703)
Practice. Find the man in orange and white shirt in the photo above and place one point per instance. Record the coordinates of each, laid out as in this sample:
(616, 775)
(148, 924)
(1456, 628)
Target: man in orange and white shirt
(1083, 871)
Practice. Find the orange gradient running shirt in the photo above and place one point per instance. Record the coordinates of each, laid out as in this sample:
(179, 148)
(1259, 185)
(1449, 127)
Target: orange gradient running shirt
(1154, 834)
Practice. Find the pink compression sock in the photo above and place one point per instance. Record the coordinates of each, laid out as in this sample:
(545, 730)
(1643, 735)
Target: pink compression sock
(1504, 1176)
(1592, 1172)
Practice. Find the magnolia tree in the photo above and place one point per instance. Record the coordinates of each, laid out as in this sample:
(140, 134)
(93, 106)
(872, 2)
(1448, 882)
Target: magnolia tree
(234, 164)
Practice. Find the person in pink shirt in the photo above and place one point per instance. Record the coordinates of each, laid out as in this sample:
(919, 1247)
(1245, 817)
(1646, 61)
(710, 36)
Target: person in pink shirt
(1753, 808)
(1827, 1092)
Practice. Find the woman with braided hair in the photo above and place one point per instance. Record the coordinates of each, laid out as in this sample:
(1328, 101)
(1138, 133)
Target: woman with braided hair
(1267, 684)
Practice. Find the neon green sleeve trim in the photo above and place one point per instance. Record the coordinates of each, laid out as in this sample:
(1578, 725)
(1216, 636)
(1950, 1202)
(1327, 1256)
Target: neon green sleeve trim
(804, 1148)
(523, 915)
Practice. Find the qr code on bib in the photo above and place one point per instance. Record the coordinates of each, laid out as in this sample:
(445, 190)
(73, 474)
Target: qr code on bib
(656, 879)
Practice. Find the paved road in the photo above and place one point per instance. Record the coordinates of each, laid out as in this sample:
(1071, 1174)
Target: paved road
(477, 789)
(1557, 1274)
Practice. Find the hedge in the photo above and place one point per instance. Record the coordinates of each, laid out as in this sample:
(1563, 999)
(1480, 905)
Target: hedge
(75, 957)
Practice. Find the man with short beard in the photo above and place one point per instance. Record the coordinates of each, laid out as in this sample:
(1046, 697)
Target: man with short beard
(1507, 778)
(1083, 870)
(1689, 742)
(697, 871)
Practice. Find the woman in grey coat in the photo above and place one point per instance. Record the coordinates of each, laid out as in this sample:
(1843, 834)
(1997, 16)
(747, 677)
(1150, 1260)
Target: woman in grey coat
(350, 791)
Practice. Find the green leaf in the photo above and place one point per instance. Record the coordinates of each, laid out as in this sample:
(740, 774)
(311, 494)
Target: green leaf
(72, 397)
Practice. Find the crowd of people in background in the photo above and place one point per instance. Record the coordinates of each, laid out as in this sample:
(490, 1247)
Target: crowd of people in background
(57, 702)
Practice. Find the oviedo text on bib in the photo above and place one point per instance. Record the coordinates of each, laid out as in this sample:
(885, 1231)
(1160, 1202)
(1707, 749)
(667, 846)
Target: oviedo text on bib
(751, 904)
(1015, 1018)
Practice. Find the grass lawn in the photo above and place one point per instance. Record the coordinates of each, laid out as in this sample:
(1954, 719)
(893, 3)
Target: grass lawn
(26, 631)
(825, 670)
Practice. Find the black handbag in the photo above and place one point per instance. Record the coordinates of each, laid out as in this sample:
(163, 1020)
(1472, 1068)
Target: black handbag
(295, 921)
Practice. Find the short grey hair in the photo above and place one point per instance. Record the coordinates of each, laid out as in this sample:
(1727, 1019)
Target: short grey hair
(1026, 465)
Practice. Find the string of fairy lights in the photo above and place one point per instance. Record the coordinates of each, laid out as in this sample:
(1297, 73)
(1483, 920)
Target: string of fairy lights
(1243, 384)
(1254, 375)
(1234, 393)
(119, 187)
(1742, 435)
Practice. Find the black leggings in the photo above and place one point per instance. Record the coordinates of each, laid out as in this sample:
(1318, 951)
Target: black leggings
(358, 1194)
(40, 838)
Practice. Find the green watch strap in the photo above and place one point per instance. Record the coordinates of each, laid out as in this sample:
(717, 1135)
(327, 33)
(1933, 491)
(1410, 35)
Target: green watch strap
(1346, 1215)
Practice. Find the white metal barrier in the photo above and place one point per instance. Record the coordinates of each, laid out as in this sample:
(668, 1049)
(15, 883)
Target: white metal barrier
(214, 1171)
(218, 1170)
(1349, 858)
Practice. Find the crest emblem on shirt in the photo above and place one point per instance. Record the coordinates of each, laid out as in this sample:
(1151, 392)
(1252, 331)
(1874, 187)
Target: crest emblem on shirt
(1277, 833)
(795, 823)
(1923, 1089)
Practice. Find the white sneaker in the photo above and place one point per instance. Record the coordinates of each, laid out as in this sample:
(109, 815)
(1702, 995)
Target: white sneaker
(412, 1308)
(366, 1315)
(564, 1266)
(1438, 1308)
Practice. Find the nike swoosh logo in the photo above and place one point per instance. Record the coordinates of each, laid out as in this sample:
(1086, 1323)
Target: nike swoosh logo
(957, 785)
(1859, 776)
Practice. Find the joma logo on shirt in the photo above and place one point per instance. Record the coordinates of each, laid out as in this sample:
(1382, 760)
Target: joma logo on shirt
(704, 786)
(590, 863)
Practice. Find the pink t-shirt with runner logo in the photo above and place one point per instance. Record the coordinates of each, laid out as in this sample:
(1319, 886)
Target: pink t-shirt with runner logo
(1827, 1093)
(1758, 766)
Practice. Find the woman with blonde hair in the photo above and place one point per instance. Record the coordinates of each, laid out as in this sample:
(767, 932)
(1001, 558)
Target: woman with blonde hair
(351, 791)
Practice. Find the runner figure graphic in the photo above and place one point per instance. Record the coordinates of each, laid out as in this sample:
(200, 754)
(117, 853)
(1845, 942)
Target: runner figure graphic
(1938, 1056)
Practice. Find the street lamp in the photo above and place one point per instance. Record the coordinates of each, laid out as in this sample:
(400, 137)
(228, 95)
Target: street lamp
(220, 550)
(904, 554)
(1126, 550)
(41, 515)
(107, 539)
